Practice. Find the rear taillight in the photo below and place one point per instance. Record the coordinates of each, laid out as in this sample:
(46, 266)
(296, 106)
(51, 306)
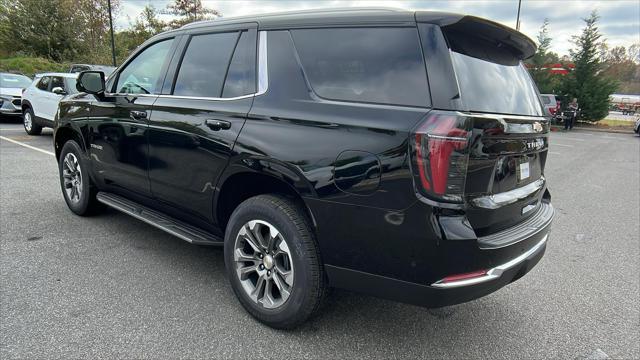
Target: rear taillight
(440, 154)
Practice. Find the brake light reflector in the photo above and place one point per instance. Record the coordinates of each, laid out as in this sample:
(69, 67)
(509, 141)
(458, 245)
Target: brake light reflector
(465, 276)
(441, 155)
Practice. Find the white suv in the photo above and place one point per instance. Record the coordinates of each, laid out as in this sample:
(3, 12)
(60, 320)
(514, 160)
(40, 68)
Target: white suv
(40, 100)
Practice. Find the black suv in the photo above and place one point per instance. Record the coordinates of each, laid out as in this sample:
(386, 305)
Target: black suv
(394, 153)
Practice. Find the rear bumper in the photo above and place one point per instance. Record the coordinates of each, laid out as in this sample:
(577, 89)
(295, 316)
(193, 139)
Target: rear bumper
(437, 295)
(502, 265)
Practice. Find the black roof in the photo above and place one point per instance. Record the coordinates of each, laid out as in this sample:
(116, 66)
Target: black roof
(314, 17)
(354, 16)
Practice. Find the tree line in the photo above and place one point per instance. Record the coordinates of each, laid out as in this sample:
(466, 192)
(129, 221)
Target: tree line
(78, 31)
(598, 71)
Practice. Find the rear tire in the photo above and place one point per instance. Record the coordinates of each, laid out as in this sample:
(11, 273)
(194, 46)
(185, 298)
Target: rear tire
(273, 261)
(78, 191)
(29, 122)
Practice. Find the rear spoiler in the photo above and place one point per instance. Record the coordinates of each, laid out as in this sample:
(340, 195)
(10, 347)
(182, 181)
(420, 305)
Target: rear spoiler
(471, 27)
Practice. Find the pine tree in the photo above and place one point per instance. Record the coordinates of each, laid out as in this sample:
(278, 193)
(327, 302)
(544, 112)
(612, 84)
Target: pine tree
(587, 82)
(547, 82)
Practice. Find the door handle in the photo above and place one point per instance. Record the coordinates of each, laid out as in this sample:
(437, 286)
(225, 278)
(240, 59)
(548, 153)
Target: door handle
(217, 124)
(138, 114)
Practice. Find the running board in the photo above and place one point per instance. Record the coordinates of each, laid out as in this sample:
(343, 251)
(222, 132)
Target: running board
(164, 222)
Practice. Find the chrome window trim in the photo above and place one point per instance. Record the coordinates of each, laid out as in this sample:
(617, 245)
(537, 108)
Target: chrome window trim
(263, 79)
(263, 71)
(495, 272)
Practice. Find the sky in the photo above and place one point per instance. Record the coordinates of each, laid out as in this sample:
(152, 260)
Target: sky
(619, 19)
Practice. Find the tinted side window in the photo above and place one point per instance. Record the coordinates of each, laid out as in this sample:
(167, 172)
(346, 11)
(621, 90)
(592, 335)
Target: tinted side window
(57, 81)
(379, 65)
(204, 65)
(43, 84)
(143, 74)
(241, 76)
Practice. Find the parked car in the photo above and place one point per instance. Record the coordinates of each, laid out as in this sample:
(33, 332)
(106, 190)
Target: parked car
(11, 86)
(40, 99)
(550, 104)
(317, 158)
(107, 70)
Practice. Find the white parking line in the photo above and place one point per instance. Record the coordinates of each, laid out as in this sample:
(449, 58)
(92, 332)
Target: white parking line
(555, 153)
(556, 144)
(27, 146)
(11, 129)
(570, 138)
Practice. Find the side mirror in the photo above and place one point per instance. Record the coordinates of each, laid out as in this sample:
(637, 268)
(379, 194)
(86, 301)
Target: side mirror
(91, 82)
(58, 90)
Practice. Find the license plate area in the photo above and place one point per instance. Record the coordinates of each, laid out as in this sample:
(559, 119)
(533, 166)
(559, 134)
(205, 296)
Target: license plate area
(515, 171)
(524, 170)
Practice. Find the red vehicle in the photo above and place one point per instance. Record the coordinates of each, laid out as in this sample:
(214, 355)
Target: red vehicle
(628, 105)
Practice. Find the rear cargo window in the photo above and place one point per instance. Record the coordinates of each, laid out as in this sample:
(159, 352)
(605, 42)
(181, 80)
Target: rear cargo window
(491, 78)
(376, 65)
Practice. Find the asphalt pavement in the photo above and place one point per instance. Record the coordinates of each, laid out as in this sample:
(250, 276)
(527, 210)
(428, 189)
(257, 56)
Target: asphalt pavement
(111, 286)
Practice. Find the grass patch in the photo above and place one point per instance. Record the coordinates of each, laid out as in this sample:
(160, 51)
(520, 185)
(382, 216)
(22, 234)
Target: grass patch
(31, 65)
(616, 123)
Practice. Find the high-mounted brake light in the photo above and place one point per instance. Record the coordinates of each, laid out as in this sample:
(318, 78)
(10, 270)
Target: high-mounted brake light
(441, 155)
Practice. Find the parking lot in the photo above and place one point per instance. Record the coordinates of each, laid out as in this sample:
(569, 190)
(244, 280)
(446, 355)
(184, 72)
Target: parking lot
(112, 286)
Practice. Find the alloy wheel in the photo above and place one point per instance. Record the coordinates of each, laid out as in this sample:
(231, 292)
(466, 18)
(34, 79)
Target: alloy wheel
(263, 264)
(72, 175)
(28, 122)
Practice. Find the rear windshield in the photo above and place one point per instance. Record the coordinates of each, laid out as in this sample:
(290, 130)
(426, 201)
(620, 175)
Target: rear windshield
(487, 86)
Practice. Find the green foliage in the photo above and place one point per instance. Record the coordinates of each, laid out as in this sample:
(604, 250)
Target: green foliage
(30, 66)
(189, 11)
(587, 82)
(78, 30)
(547, 82)
(622, 64)
(58, 30)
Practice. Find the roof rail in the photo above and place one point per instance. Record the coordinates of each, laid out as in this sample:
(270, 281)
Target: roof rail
(293, 12)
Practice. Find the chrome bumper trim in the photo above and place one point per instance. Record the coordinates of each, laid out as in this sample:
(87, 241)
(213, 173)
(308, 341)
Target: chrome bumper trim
(508, 197)
(493, 273)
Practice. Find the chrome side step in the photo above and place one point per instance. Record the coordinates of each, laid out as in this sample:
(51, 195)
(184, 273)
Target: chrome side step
(164, 222)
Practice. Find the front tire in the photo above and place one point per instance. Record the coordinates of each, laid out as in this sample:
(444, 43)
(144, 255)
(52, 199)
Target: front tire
(273, 261)
(77, 189)
(29, 122)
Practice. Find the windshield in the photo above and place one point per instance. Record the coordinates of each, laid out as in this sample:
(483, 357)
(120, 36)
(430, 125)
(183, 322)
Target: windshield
(14, 81)
(487, 86)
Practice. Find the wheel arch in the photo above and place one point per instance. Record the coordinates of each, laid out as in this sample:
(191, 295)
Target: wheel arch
(26, 104)
(251, 177)
(64, 134)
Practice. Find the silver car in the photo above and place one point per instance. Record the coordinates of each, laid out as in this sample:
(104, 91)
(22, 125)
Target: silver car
(11, 86)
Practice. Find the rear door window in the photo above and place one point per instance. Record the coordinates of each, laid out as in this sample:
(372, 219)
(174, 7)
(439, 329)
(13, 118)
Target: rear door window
(375, 65)
(241, 76)
(204, 65)
(43, 84)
